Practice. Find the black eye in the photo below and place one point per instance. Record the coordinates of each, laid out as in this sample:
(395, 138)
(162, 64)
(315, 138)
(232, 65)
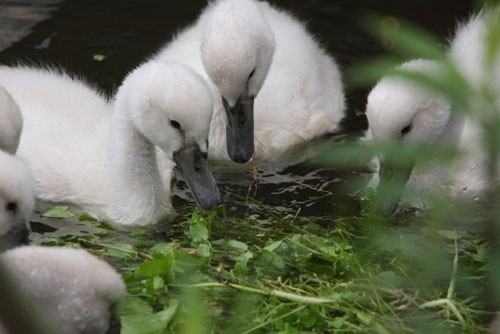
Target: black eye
(251, 74)
(405, 130)
(11, 206)
(225, 103)
(175, 124)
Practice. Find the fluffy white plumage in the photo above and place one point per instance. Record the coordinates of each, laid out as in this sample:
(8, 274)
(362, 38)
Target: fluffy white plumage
(11, 124)
(72, 290)
(395, 104)
(245, 43)
(82, 149)
(17, 201)
(16, 186)
(403, 112)
(469, 49)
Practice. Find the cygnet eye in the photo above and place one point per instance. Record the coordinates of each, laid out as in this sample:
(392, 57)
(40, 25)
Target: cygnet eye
(175, 124)
(251, 74)
(11, 207)
(405, 130)
(225, 103)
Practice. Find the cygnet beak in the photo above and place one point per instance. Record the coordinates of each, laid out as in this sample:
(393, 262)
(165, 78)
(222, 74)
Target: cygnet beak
(18, 235)
(115, 325)
(393, 179)
(193, 166)
(239, 129)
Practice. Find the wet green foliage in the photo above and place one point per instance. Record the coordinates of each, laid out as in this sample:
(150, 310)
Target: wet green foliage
(352, 275)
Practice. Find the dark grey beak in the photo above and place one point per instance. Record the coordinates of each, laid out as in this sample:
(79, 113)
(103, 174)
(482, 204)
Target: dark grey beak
(193, 166)
(16, 236)
(115, 325)
(239, 129)
(393, 179)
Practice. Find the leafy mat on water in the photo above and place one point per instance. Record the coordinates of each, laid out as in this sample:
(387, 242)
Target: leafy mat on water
(293, 274)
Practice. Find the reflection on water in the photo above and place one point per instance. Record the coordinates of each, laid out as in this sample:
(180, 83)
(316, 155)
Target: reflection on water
(18, 17)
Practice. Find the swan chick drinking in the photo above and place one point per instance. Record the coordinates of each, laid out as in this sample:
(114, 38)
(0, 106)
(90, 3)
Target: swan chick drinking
(402, 112)
(274, 87)
(69, 289)
(100, 155)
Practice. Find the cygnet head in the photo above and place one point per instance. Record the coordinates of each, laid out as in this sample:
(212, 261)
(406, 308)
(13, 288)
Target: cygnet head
(401, 113)
(237, 51)
(72, 290)
(17, 201)
(11, 122)
(172, 107)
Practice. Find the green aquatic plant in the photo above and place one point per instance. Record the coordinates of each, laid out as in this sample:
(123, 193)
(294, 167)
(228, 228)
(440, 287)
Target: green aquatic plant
(353, 275)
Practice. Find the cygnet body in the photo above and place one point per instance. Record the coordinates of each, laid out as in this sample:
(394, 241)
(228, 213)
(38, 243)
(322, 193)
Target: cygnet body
(274, 87)
(100, 156)
(404, 113)
(70, 290)
(12, 122)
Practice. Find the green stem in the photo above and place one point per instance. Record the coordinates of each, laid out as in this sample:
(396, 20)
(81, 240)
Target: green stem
(136, 253)
(272, 320)
(448, 303)
(451, 288)
(277, 293)
(434, 303)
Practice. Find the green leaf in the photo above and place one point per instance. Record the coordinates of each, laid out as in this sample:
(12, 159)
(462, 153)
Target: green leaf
(389, 277)
(163, 249)
(121, 251)
(238, 245)
(364, 318)
(149, 323)
(135, 305)
(338, 322)
(156, 267)
(86, 217)
(308, 319)
(240, 267)
(272, 247)
(198, 233)
(276, 260)
(58, 212)
(204, 250)
(158, 283)
(138, 233)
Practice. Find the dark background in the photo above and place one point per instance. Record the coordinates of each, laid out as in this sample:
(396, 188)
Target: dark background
(126, 32)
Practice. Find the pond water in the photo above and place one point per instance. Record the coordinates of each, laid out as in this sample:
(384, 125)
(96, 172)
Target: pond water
(71, 33)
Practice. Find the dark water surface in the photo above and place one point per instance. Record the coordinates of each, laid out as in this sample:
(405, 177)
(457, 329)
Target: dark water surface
(72, 33)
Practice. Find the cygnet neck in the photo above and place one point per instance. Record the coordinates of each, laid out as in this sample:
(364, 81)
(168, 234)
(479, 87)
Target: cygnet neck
(134, 173)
